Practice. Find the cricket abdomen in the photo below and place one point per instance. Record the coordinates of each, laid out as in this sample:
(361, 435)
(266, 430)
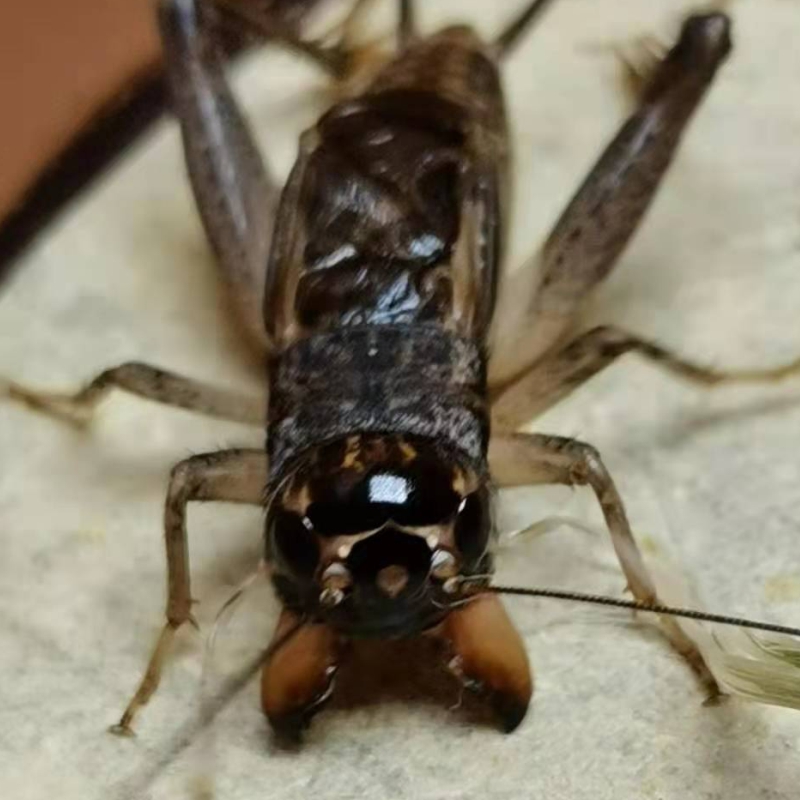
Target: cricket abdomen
(392, 212)
(381, 216)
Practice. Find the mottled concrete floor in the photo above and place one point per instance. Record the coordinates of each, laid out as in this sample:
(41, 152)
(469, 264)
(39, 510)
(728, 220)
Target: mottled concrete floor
(713, 479)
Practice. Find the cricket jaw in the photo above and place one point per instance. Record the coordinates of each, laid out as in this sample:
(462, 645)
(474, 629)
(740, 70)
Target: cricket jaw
(490, 656)
(297, 679)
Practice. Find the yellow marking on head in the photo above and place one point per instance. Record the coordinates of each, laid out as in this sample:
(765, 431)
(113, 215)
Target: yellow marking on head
(459, 482)
(408, 450)
(353, 454)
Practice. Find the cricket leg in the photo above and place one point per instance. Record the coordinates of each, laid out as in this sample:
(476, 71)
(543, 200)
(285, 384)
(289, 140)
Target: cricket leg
(282, 28)
(297, 679)
(235, 195)
(347, 32)
(407, 26)
(232, 476)
(490, 656)
(540, 301)
(527, 459)
(518, 27)
(560, 372)
(145, 381)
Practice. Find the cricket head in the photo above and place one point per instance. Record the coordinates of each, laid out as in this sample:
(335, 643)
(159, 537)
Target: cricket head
(366, 531)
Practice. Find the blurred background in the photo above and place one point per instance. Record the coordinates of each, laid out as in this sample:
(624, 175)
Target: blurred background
(68, 69)
(79, 80)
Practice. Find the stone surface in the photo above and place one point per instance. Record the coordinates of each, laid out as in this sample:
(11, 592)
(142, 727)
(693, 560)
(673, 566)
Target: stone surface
(712, 479)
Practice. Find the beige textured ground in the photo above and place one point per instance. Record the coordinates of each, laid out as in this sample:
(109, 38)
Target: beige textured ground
(714, 479)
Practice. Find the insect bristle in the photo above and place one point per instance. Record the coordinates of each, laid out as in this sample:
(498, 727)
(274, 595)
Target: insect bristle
(758, 666)
(764, 668)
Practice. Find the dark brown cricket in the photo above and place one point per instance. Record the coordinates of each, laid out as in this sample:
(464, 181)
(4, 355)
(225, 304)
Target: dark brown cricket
(369, 284)
(380, 292)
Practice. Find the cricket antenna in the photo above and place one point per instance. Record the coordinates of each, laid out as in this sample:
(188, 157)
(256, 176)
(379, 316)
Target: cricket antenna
(518, 27)
(634, 605)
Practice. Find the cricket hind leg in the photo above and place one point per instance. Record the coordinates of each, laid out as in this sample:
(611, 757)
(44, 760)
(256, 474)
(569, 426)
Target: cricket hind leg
(559, 373)
(529, 459)
(541, 300)
(340, 52)
(232, 476)
(145, 381)
(235, 195)
(347, 32)
(518, 27)
(283, 29)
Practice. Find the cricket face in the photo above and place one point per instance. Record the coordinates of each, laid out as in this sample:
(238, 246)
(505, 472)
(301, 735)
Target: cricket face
(367, 531)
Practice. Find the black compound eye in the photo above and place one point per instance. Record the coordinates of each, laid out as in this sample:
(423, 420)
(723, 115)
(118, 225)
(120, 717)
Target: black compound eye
(473, 525)
(293, 544)
(411, 496)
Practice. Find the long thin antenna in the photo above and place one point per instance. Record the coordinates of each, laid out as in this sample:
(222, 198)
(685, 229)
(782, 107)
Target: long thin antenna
(518, 27)
(635, 605)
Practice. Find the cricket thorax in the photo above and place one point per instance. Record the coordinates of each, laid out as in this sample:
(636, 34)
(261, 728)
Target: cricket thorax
(415, 381)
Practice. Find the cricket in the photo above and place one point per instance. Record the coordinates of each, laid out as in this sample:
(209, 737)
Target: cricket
(372, 283)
